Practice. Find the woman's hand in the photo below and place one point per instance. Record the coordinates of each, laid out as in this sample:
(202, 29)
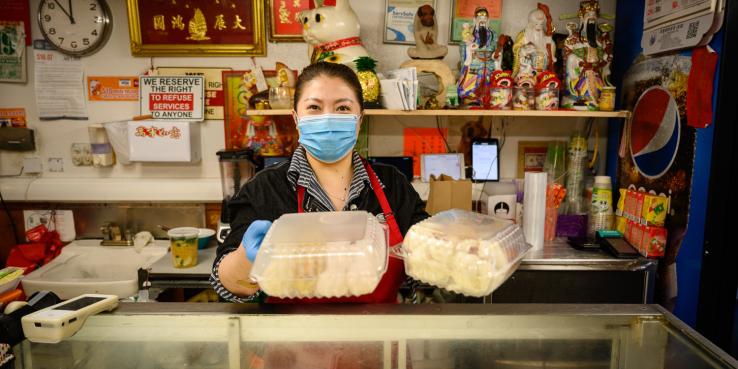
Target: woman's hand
(234, 270)
(251, 241)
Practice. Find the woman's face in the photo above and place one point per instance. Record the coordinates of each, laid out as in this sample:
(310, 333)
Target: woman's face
(327, 95)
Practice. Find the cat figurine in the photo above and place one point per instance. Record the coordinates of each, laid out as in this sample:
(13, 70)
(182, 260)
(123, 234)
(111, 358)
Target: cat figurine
(333, 31)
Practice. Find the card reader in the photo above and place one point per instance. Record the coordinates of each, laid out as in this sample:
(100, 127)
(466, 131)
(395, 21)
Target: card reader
(63, 320)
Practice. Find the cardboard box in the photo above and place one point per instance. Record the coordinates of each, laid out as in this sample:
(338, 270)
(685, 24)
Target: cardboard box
(654, 210)
(446, 193)
(653, 242)
(164, 141)
(620, 224)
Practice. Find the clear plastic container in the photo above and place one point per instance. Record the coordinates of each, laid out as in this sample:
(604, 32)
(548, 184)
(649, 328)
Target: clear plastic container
(183, 242)
(465, 252)
(323, 254)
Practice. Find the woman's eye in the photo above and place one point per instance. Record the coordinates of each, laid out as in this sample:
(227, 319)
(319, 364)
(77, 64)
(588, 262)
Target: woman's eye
(313, 107)
(343, 108)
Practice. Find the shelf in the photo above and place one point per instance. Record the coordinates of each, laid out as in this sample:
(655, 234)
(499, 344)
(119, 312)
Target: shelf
(112, 189)
(472, 113)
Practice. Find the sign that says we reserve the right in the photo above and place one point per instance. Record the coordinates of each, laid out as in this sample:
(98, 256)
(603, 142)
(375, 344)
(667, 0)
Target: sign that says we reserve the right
(173, 97)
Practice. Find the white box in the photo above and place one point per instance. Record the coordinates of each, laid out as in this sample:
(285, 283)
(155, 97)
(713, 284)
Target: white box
(164, 141)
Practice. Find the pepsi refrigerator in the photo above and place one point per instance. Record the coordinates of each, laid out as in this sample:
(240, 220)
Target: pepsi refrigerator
(686, 149)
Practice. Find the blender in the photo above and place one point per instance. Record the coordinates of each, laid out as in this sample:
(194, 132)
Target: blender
(237, 167)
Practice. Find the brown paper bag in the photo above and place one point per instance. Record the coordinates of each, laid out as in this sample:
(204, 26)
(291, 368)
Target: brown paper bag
(447, 193)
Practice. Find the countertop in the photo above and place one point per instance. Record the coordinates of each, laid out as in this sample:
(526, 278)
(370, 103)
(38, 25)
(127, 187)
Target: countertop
(163, 268)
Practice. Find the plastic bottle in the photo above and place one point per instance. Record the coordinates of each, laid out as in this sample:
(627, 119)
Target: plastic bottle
(600, 211)
(577, 165)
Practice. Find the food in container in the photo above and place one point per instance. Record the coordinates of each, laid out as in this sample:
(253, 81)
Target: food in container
(501, 91)
(465, 252)
(523, 98)
(183, 246)
(322, 254)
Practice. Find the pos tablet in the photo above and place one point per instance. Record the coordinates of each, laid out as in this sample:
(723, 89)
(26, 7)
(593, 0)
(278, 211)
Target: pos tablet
(485, 160)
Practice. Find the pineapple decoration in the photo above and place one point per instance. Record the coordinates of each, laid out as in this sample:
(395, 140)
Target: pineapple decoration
(369, 81)
(198, 27)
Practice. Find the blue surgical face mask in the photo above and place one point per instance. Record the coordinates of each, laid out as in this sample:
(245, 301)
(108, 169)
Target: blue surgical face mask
(328, 137)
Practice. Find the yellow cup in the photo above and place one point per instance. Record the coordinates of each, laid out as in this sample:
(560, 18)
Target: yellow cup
(183, 246)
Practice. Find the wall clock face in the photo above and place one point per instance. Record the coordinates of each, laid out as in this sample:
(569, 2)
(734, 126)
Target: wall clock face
(75, 27)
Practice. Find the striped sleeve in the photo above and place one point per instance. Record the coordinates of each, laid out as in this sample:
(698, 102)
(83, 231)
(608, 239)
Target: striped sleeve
(222, 291)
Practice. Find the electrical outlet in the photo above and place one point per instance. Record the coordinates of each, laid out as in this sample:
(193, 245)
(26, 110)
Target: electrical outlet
(56, 164)
(32, 165)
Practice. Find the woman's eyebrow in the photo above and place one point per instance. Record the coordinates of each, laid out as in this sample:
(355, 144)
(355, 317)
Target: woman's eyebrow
(345, 99)
(313, 99)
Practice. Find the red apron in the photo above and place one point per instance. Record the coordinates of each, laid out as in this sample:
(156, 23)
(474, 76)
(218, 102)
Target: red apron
(386, 291)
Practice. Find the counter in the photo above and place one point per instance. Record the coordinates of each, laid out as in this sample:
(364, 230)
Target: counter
(177, 335)
(556, 274)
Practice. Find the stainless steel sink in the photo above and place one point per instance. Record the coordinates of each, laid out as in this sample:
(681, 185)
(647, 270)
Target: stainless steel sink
(86, 267)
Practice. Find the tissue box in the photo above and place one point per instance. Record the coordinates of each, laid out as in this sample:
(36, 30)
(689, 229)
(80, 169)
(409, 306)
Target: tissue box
(164, 141)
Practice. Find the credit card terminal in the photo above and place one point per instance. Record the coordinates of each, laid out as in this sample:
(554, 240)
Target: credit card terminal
(63, 320)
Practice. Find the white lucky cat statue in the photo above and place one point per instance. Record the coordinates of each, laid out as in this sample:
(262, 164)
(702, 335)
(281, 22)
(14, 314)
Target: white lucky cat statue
(333, 31)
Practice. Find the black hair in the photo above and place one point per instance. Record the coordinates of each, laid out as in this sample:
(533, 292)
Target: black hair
(332, 70)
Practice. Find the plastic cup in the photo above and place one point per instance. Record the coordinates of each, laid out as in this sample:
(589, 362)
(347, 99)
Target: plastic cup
(524, 98)
(183, 246)
(279, 98)
(547, 99)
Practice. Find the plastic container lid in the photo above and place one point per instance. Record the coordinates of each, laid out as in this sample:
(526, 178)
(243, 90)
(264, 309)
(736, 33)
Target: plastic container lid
(323, 254)
(183, 232)
(465, 252)
(603, 180)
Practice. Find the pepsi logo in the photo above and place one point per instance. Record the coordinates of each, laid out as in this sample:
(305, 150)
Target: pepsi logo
(654, 132)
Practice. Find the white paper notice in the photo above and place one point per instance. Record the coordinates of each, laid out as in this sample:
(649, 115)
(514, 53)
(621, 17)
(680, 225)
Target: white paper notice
(60, 89)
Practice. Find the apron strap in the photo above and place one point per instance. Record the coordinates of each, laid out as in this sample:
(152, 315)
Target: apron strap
(389, 215)
(300, 198)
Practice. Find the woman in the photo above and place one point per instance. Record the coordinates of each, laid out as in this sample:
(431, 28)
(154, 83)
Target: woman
(325, 174)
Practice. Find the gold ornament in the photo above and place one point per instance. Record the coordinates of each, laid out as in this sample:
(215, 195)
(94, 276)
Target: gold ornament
(198, 27)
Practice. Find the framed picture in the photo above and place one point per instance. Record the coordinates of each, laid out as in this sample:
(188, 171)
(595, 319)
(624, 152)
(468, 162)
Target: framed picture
(399, 19)
(531, 156)
(462, 11)
(284, 25)
(267, 135)
(192, 27)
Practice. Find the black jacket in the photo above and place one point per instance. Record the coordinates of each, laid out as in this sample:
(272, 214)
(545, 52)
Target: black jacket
(269, 195)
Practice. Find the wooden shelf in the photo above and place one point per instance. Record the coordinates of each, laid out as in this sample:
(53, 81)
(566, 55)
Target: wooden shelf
(472, 113)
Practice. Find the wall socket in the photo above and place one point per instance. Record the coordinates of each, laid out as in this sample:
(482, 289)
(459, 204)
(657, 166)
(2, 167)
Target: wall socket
(56, 164)
(32, 165)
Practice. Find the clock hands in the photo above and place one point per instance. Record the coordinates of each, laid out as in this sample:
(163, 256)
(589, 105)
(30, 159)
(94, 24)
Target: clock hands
(65, 10)
(71, 11)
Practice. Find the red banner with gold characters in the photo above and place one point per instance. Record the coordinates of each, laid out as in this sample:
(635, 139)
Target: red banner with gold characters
(284, 19)
(193, 22)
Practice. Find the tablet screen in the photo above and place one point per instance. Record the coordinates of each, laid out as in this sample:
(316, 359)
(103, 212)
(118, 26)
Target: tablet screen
(451, 165)
(485, 161)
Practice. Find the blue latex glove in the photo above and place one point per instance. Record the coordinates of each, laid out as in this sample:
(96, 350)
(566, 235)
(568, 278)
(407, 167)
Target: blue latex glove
(251, 241)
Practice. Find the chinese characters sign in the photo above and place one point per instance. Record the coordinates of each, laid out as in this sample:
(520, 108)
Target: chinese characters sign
(283, 18)
(173, 97)
(177, 27)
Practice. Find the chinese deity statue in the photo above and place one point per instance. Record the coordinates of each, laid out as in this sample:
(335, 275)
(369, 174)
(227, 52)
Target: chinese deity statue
(481, 54)
(427, 56)
(587, 55)
(534, 48)
(426, 34)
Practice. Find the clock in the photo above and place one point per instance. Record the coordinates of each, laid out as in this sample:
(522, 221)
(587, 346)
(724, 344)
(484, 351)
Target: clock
(75, 27)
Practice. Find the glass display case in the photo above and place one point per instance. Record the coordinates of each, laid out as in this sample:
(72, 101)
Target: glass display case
(164, 335)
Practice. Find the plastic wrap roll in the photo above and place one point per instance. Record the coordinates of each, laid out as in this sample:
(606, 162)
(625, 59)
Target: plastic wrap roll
(534, 208)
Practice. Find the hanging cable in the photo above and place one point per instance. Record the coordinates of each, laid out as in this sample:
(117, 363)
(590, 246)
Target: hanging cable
(10, 219)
